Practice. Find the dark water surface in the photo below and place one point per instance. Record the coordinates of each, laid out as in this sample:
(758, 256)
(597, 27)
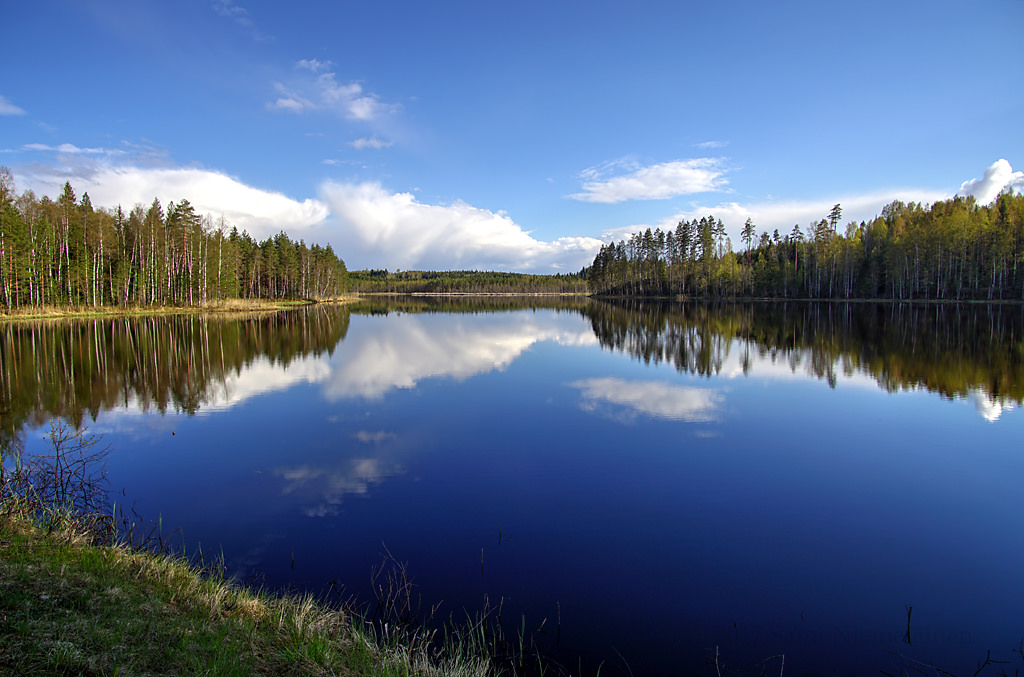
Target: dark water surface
(664, 479)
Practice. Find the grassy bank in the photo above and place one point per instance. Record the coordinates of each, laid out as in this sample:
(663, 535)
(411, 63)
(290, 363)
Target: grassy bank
(223, 306)
(74, 608)
(73, 600)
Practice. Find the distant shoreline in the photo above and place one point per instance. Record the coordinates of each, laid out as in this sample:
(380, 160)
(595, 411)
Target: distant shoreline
(245, 306)
(471, 293)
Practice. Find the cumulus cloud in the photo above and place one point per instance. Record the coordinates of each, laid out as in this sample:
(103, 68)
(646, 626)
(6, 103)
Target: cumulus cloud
(324, 92)
(260, 212)
(8, 108)
(654, 182)
(395, 230)
(650, 398)
(998, 176)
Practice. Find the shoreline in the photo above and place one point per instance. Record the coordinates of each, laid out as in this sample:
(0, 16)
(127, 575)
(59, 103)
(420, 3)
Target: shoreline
(214, 307)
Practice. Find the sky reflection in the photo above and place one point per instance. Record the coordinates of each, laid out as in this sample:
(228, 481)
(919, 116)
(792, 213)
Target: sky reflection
(379, 356)
(650, 398)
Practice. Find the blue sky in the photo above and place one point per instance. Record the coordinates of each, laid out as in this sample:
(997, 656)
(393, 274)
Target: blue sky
(513, 136)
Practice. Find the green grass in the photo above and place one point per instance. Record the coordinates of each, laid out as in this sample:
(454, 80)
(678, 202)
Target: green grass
(68, 607)
(75, 601)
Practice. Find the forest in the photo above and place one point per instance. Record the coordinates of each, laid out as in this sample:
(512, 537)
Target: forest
(465, 282)
(68, 253)
(953, 250)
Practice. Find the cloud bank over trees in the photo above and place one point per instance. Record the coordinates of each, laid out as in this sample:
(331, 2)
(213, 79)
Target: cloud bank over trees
(371, 226)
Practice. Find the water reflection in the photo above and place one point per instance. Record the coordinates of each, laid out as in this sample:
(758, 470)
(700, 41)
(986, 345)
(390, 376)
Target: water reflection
(682, 443)
(194, 364)
(262, 376)
(652, 398)
(380, 357)
(970, 352)
(184, 364)
(328, 485)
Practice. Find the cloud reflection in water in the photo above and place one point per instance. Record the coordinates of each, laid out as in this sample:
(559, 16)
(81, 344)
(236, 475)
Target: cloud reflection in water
(650, 398)
(379, 357)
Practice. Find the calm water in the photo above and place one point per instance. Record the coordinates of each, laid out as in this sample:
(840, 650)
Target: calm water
(665, 479)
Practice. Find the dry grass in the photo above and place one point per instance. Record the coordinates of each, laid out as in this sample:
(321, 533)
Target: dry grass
(218, 306)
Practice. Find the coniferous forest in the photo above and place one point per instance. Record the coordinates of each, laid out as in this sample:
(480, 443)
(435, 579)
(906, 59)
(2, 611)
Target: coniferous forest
(465, 282)
(66, 252)
(953, 250)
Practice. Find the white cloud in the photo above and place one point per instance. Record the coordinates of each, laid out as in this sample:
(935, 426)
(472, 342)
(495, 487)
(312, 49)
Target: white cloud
(289, 101)
(313, 65)
(655, 182)
(394, 230)
(651, 398)
(8, 108)
(262, 213)
(998, 176)
(707, 145)
(324, 92)
(70, 149)
(372, 142)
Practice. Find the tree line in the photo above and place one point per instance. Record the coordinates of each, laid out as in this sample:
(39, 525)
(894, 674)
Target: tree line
(465, 282)
(954, 249)
(66, 252)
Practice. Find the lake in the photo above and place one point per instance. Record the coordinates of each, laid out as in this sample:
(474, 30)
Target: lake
(642, 482)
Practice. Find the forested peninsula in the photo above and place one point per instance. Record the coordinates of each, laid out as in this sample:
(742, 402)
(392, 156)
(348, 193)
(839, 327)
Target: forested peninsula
(953, 250)
(66, 253)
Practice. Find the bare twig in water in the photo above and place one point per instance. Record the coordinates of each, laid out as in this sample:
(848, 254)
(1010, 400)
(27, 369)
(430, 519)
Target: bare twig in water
(922, 664)
(988, 662)
(782, 666)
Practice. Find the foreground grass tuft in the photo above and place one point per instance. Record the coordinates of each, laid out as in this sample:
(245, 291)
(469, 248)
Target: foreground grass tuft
(67, 607)
(74, 601)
